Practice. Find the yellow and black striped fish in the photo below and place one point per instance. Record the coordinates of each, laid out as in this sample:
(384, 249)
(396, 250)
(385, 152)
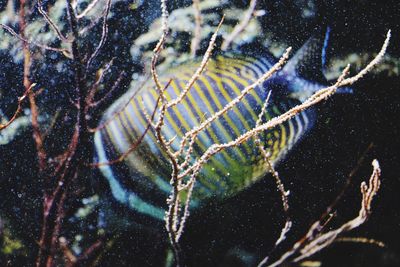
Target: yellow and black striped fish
(141, 181)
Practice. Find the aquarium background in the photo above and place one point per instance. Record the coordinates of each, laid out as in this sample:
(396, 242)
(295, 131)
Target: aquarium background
(241, 230)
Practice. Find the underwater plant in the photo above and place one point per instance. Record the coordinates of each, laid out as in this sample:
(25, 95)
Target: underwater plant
(151, 141)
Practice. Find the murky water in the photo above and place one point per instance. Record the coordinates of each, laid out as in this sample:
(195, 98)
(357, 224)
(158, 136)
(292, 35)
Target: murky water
(64, 203)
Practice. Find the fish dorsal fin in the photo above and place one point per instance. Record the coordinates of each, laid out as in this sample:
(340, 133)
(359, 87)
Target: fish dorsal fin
(309, 61)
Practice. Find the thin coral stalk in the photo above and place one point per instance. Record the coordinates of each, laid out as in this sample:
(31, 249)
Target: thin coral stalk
(241, 26)
(278, 181)
(159, 47)
(51, 22)
(194, 45)
(37, 135)
(19, 108)
(200, 69)
(229, 106)
(361, 240)
(103, 35)
(46, 47)
(314, 241)
(87, 9)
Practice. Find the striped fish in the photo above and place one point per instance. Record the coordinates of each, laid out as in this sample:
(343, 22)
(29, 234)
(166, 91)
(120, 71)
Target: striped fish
(141, 180)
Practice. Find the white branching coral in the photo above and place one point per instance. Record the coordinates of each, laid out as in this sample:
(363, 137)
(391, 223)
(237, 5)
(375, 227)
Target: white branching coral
(184, 173)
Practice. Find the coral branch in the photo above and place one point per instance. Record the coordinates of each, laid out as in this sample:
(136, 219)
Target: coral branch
(241, 26)
(210, 151)
(315, 241)
(13, 33)
(279, 184)
(19, 108)
(199, 71)
(197, 28)
(99, 79)
(159, 47)
(175, 218)
(109, 92)
(324, 240)
(51, 23)
(362, 240)
(103, 35)
(37, 135)
(87, 9)
(132, 147)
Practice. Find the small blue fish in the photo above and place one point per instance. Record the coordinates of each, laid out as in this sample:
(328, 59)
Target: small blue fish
(141, 180)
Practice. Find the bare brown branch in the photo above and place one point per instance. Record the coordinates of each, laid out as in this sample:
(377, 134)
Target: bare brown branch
(37, 135)
(51, 23)
(13, 33)
(103, 35)
(19, 108)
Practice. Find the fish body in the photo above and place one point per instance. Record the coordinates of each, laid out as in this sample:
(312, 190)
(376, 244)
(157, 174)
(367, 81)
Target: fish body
(142, 180)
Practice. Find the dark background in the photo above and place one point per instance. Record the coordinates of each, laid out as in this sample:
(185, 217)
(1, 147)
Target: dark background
(315, 171)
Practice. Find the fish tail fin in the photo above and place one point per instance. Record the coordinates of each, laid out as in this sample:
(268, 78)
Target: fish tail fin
(310, 60)
(308, 66)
